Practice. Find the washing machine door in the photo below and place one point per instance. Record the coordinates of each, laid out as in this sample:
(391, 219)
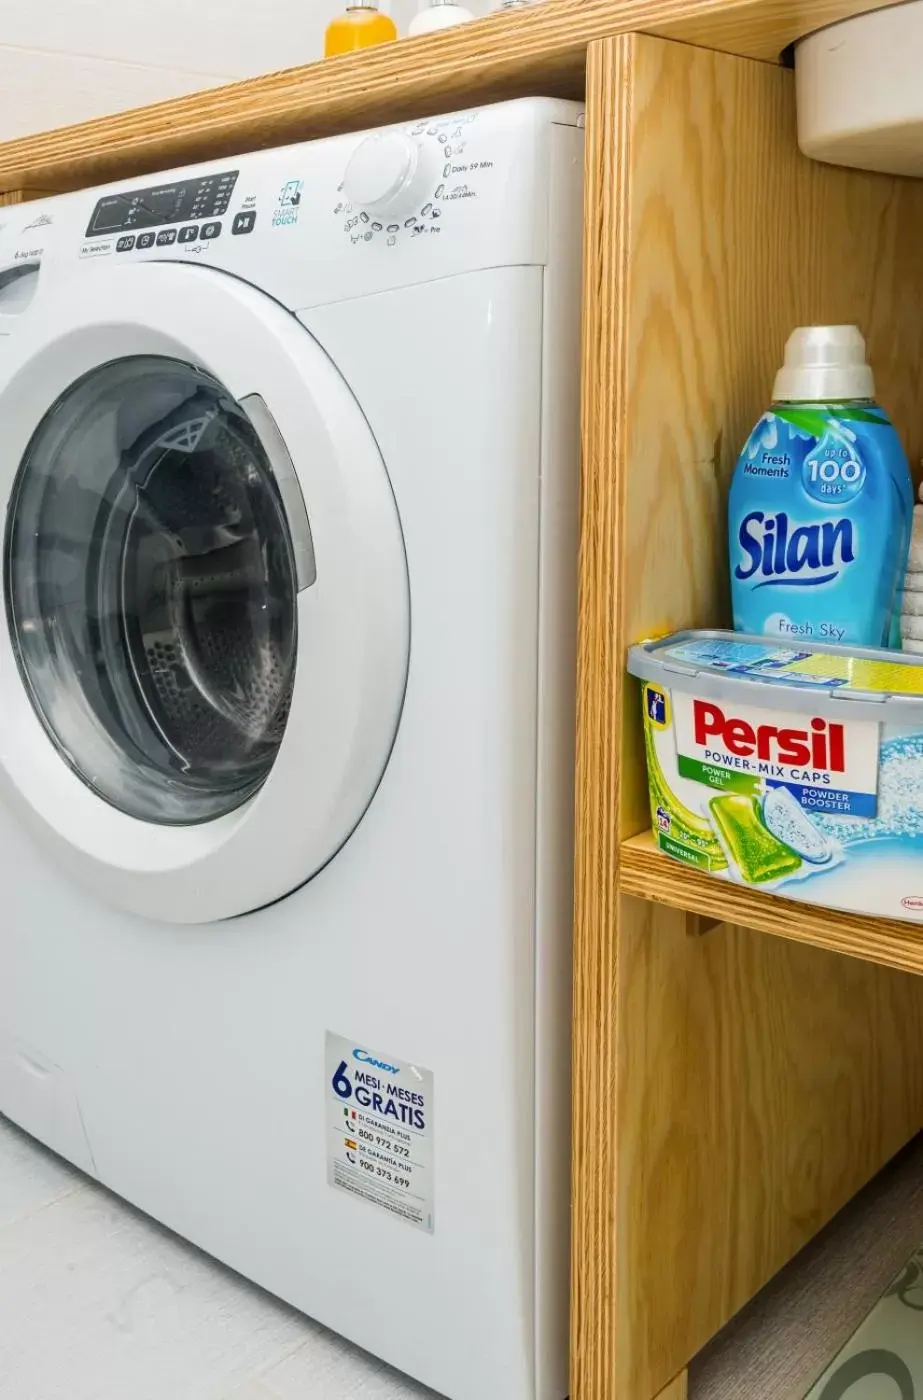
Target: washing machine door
(205, 642)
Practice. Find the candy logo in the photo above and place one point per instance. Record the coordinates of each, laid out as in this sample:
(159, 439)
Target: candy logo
(799, 557)
(821, 745)
(913, 901)
(365, 1058)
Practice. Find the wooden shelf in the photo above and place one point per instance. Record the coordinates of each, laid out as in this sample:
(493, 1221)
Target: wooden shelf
(512, 54)
(645, 872)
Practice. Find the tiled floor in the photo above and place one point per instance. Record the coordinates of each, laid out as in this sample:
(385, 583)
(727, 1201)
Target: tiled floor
(99, 1303)
(885, 1357)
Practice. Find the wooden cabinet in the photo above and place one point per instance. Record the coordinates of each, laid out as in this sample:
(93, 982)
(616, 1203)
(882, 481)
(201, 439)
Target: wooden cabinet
(736, 1077)
(751, 1084)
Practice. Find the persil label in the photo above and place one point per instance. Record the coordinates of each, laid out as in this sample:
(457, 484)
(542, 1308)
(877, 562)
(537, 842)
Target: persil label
(827, 765)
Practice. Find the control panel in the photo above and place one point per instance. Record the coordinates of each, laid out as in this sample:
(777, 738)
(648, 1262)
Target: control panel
(316, 222)
(206, 198)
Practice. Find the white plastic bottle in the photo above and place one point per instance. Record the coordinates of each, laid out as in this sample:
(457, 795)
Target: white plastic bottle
(438, 14)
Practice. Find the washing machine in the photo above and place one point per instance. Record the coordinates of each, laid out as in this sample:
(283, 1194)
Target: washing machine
(289, 465)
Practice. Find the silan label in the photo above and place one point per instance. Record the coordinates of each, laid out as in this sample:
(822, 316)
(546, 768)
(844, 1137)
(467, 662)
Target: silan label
(775, 550)
(819, 518)
(827, 765)
(379, 1113)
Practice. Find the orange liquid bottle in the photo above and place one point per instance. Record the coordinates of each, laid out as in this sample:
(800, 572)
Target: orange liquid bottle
(361, 27)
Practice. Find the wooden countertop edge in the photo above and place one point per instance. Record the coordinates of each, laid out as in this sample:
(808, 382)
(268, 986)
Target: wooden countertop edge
(648, 874)
(511, 54)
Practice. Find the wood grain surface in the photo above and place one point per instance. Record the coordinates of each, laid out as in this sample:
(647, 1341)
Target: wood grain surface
(731, 1090)
(735, 239)
(599, 669)
(645, 871)
(676, 1390)
(760, 1084)
(512, 54)
(21, 196)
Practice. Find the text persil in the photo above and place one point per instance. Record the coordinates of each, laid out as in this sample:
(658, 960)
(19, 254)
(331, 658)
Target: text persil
(821, 744)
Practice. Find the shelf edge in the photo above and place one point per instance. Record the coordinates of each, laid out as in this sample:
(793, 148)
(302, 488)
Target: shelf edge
(646, 873)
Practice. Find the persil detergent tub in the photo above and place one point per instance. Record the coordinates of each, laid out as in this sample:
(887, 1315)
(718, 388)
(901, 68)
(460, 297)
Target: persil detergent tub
(798, 771)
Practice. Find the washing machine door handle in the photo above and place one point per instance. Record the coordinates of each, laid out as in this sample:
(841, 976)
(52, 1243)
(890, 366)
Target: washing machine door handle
(283, 468)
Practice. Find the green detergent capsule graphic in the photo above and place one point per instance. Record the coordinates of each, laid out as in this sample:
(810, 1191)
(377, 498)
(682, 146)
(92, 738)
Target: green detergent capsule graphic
(756, 852)
(688, 832)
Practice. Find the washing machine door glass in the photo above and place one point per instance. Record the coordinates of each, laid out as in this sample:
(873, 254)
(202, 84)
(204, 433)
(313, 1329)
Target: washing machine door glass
(151, 590)
(206, 638)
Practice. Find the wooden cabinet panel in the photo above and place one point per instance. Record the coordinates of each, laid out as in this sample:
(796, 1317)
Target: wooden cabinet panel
(733, 1090)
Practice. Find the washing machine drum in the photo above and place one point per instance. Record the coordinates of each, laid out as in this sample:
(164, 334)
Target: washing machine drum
(206, 635)
(152, 591)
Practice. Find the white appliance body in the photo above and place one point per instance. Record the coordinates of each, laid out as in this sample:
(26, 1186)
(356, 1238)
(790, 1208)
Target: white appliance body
(402, 879)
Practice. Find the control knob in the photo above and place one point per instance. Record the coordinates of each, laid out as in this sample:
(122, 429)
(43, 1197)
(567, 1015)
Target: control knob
(386, 174)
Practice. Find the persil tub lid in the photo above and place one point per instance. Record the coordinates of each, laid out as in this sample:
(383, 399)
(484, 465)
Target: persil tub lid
(880, 685)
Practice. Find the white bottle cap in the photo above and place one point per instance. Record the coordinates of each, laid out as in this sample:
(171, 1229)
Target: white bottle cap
(824, 364)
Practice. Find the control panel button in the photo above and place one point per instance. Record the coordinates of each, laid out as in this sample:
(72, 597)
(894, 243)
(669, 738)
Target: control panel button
(145, 240)
(211, 230)
(165, 237)
(125, 245)
(386, 174)
(244, 222)
(189, 234)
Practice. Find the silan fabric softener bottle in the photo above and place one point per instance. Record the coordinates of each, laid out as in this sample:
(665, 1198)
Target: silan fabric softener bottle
(821, 504)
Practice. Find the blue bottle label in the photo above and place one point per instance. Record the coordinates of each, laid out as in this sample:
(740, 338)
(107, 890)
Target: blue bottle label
(819, 515)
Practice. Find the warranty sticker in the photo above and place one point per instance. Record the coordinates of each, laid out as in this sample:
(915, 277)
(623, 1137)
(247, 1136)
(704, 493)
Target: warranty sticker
(380, 1130)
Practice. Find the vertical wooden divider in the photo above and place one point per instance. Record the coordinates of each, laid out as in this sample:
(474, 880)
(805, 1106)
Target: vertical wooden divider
(599, 684)
(732, 1091)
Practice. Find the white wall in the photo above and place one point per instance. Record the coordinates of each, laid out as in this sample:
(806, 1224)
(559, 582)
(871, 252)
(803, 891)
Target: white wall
(64, 61)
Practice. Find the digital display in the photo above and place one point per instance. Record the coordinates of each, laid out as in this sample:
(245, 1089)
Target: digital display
(109, 216)
(205, 198)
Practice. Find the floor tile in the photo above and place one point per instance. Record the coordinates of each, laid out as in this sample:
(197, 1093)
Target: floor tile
(885, 1356)
(98, 1303)
(30, 1177)
(327, 1368)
